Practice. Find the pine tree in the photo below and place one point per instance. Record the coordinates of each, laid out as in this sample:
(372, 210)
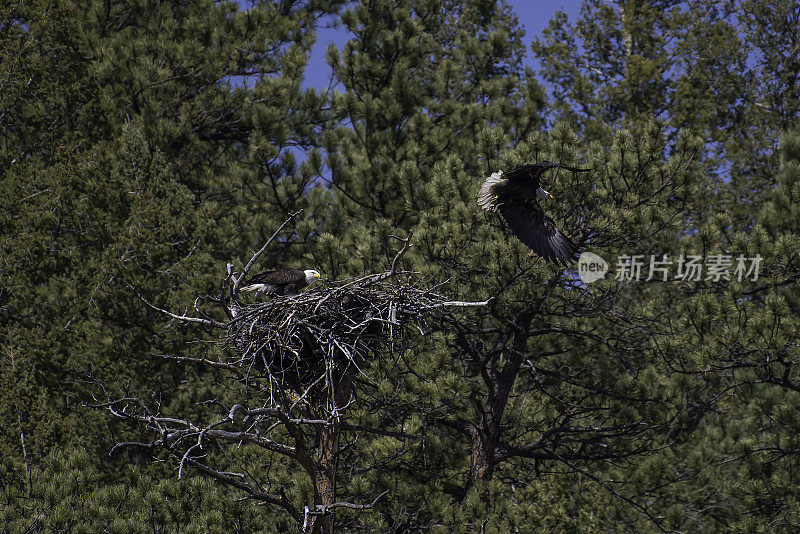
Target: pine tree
(145, 145)
(723, 63)
(148, 145)
(511, 364)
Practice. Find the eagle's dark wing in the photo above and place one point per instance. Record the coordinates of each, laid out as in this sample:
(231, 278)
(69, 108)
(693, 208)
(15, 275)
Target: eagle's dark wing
(279, 277)
(538, 231)
(532, 172)
(278, 282)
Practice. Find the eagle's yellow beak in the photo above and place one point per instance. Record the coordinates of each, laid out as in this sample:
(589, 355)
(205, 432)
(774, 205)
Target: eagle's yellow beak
(551, 196)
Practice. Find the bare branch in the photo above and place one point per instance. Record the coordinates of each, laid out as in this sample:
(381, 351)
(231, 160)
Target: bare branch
(204, 361)
(24, 448)
(328, 508)
(184, 318)
(238, 280)
(236, 480)
(406, 245)
(458, 304)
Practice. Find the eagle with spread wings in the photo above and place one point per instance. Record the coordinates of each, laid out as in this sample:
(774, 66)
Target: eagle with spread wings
(516, 194)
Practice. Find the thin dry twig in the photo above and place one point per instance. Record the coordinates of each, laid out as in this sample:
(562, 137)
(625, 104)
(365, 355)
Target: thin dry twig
(238, 280)
(184, 318)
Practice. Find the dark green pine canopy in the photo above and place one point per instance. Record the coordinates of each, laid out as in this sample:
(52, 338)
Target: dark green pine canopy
(515, 194)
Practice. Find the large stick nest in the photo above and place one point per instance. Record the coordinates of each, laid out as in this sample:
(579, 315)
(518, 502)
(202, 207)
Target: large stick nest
(295, 338)
(297, 341)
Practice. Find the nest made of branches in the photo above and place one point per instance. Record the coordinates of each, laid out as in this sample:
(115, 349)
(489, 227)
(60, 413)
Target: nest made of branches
(338, 327)
(312, 340)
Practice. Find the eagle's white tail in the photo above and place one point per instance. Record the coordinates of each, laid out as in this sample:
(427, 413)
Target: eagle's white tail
(254, 287)
(487, 195)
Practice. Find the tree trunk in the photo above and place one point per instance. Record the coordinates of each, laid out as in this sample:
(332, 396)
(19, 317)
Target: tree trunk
(327, 458)
(326, 475)
(486, 436)
(482, 458)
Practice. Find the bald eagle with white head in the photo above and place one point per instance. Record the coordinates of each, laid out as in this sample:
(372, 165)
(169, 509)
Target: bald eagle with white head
(516, 195)
(281, 281)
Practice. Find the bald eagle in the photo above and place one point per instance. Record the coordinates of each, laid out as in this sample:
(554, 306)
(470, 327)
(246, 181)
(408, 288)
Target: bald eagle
(516, 194)
(281, 281)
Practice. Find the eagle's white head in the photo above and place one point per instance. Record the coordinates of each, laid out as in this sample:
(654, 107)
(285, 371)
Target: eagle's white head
(311, 275)
(541, 194)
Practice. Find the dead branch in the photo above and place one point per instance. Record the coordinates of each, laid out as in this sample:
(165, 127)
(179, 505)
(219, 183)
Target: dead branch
(323, 509)
(236, 481)
(184, 318)
(204, 361)
(459, 304)
(238, 280)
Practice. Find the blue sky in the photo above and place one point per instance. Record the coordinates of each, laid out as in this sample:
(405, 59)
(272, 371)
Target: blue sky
(533, 15)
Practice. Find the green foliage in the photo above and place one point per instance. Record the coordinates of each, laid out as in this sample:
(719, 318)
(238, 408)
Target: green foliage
(67, 492)
(139, 143)
(147, 144)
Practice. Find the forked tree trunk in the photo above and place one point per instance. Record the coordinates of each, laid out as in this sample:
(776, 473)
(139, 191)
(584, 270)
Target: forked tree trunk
(486, 435)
